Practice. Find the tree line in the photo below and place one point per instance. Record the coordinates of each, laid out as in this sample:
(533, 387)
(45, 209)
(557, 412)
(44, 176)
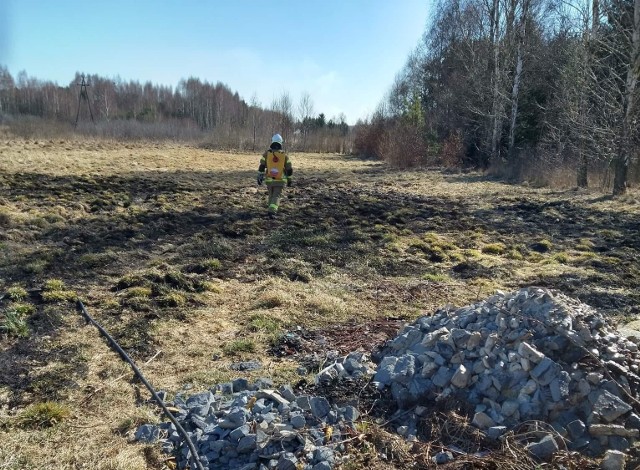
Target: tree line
(198, 110)
(519, 87)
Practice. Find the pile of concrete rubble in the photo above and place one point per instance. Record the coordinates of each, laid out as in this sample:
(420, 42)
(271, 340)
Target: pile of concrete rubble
(530, 356)
(249, 426)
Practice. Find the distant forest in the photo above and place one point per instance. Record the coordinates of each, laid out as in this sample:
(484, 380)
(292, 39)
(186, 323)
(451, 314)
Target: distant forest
(211, 114)
(544, 91)
(533, 90)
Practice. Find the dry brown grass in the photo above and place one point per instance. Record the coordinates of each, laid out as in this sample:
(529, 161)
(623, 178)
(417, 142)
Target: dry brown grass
(127, 226)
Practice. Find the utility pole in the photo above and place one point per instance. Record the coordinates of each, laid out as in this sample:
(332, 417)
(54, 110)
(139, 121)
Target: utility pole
(84, 94)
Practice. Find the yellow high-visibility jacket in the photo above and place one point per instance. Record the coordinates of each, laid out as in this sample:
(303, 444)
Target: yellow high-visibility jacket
(276, 166)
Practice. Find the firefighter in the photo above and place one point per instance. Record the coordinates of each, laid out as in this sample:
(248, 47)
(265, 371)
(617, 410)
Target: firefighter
(275, 169)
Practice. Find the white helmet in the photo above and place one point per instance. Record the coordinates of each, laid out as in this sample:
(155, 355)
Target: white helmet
(277, 139)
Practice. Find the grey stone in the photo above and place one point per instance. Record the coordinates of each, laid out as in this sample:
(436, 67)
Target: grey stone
(580, 444)
(352, 364)
(240, 385)
(618, 443)
(544, 448)
(323, 454)
(249, 466)
(608, 406)
(326, 376)
(287, 461)
(474, 340)
(509, 407)
(234, 419)
(273, 396)
(246, 366)
(385, 372)
(559, 388)
(200, 403)
(429, 369)
(259, 406)
(482, 420)
(247, 444)
(545, 371)
(430, 338)
(350, 413)
(442, 377)
(484, 383)
(198, 423)
(321, 466)
(530, 387)
(147, 433)
(319, 407)
(576, 429)
(298, 421)
(612, 430)
(530, 353)
(287, 393)
(406, 340)
(584, 388)
(240, 432)
(405, 369)
(442, 458)
(594, 378)
(262, 383)
(304, 402)
(613, 460)
(495, 432)
(633, 421)
(461, 377)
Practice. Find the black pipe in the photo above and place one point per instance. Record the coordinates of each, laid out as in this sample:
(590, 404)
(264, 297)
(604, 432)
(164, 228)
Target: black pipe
(194, 454)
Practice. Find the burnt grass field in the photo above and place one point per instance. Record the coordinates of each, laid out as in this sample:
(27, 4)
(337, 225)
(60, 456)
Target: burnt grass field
(169, 247)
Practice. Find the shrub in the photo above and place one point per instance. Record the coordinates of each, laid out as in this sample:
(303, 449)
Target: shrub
(403, 146)
(452, 151)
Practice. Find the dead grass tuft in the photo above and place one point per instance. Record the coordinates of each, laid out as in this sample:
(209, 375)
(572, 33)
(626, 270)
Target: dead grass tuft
(42, 415)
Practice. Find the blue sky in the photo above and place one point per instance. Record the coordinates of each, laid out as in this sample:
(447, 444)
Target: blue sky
(344, 53)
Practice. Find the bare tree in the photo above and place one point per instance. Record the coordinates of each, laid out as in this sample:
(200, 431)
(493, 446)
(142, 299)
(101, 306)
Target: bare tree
(623, 157)
(305, 112)
(283, 107)
(520, 36)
